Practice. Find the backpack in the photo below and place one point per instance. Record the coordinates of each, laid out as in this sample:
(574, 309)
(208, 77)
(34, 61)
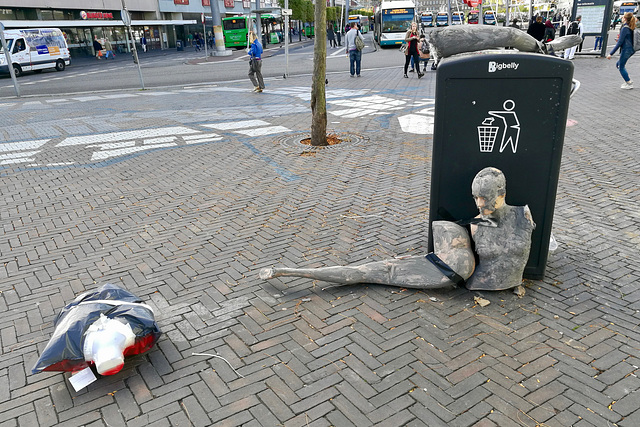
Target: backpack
(636, 39)
(424, 47)
(359, 42)
(573, 28)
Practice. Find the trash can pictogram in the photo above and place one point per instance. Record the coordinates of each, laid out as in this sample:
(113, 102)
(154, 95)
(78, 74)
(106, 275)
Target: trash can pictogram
(487, 135)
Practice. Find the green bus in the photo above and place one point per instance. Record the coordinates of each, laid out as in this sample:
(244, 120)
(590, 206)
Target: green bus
(236, 31)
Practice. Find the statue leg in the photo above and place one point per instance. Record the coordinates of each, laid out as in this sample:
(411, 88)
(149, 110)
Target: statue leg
(410, 272)
(451, 243)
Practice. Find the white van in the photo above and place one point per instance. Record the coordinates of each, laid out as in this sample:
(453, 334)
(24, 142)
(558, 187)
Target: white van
(35, 49)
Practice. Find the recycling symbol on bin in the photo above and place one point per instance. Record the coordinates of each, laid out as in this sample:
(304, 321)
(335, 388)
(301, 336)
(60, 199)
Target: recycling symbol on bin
(500, 123)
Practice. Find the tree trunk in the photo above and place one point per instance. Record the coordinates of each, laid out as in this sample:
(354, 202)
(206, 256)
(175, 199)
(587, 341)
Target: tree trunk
(318, 98)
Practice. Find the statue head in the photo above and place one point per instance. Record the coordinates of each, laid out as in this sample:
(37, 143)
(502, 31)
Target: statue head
(489, 189)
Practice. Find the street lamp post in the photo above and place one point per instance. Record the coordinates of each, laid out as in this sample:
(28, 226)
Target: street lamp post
(7, 56)
(126, 19)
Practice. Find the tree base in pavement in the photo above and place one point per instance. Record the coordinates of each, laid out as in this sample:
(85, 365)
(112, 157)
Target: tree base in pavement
(332, 139)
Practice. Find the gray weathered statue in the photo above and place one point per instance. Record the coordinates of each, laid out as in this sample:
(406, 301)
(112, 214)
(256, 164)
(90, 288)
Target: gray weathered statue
(447, 41)
(502, 235)
(503, 238)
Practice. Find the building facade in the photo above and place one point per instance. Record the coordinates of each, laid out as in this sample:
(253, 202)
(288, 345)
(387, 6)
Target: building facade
(158, 24)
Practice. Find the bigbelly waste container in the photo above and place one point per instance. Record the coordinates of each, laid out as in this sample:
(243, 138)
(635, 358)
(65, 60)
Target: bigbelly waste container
(509, 111)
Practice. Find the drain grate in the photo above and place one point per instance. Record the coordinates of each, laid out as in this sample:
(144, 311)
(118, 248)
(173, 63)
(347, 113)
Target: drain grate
(292, 142)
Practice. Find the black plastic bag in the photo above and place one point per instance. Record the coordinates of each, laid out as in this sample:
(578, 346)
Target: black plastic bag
(91, 311)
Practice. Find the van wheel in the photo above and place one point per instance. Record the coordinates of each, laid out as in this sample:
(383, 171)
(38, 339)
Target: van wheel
(60, 65)
(17, 70)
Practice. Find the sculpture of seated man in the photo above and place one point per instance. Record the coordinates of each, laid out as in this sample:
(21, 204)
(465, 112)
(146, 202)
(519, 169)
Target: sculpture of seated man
(503, 239)
(502, 236)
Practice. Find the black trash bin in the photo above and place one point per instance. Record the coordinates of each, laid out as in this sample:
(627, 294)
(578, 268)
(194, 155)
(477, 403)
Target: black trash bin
(509, 111)
(179, 45)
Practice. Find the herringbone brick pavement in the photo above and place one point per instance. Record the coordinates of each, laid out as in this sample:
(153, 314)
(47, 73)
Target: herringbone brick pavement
(188, 229)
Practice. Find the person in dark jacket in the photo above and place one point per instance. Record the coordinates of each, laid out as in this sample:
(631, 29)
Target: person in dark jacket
(549, 31)
(331, 36)
(97, 47)
(625, 44)
(536, 29)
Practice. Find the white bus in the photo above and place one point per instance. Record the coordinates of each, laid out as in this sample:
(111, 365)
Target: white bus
(392, 20)
(35, 49)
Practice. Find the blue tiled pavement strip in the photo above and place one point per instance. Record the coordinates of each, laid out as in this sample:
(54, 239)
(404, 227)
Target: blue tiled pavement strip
(184, 209)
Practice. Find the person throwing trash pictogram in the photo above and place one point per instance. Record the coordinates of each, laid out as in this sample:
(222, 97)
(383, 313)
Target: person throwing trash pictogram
(506, 121)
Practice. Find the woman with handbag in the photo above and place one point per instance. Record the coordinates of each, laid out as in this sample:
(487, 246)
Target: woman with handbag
(411, 38)
(255, 62)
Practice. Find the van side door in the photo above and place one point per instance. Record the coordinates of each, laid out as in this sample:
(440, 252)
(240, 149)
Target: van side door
(20, 53)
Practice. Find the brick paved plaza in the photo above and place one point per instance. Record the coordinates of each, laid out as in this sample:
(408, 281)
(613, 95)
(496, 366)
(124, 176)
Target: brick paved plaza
(182, 195)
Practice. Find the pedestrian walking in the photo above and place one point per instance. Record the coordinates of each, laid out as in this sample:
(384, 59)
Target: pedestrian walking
(354, 55)
(109, 49)
(549, 31)
(536, 29)
(625, 44)
(425, 54)
(97, 47)
(331, 36)
(255, 62)
(339, 38)
(143, 43)
(574, 27)
(598, 44)
(412, 38)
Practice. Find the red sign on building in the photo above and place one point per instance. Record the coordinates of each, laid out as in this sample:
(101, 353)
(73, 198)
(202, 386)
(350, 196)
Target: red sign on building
(180, 1)
(228, 3)
(96, 15)
(206, 2)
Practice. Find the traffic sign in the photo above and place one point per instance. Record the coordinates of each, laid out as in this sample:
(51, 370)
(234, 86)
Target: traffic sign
(126, 18)
(286, 12)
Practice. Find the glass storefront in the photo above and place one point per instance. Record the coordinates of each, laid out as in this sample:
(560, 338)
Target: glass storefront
(80, 39)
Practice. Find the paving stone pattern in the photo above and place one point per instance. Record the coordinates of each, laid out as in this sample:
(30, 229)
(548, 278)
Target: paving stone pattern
(188, 227)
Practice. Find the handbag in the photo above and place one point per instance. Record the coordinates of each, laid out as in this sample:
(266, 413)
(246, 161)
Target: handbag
(403, 48)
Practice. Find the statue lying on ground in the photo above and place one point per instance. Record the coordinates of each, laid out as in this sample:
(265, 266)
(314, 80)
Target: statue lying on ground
(447, 41)
(502, 235)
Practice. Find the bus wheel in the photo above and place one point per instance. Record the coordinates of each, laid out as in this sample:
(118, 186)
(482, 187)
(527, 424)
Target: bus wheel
(60, 65)
(17, 70)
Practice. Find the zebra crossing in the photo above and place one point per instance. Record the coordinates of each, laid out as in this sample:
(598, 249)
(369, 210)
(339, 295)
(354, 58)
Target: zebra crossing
(121, 145)
(342, 103)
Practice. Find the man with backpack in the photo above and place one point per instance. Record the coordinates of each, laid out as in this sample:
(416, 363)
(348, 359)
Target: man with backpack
(574, 27)
(353, 52)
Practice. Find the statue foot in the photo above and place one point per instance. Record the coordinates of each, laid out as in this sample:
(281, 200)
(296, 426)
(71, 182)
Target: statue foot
(267, 273)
